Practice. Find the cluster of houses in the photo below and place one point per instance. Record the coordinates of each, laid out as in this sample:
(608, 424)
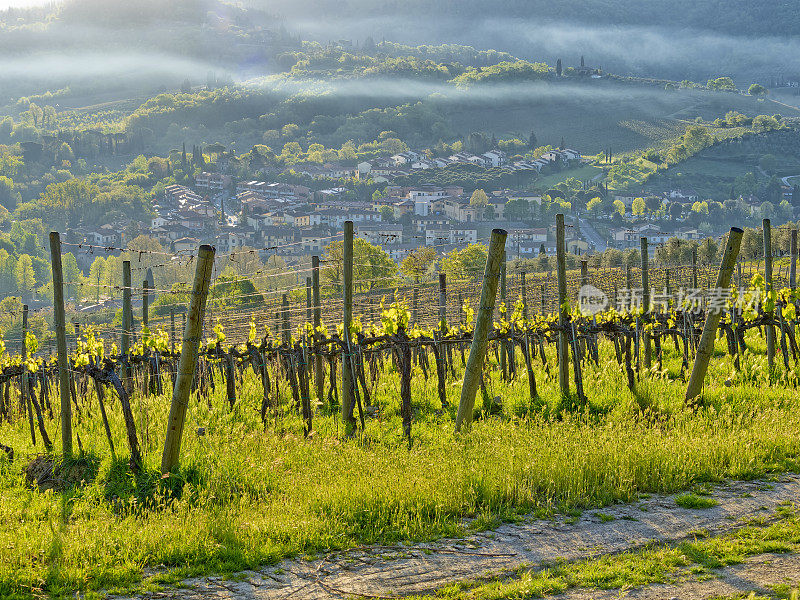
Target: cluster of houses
(385, 169)
(291, 220)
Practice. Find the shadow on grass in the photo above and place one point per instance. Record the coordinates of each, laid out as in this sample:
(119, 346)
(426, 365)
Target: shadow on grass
(147, 489)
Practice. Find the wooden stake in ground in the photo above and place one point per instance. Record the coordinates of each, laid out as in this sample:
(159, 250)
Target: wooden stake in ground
(127, 325)
(188, 359)
(503, 299)
(563, 306)
(793, 264)
(483, 320)
(60, 325)
(646, 298)
(319, 370)
(26, 400)
(706, 347)
(348, 377)
(768, 283)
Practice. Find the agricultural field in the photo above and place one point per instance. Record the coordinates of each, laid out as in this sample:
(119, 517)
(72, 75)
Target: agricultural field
(601, 115)
(271, 466)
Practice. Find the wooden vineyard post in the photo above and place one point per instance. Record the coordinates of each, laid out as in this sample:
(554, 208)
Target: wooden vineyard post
(414, 303)
(318, 368)
(26, 400)
(768, 283)
(483, 320)
(443, 303)
(308, 301)
(127, 325)
(793, 263)
(542, 297)
(563, 307)
(584, 273)
(286, 328)
(348, 379)
(149, 382)
(145, 303)
(646, 299)
(706, 347)
(502, 343)
(694, 268)
(524, 293)
(188, 360)
(60, 326)
(628, 285)
(172, 330)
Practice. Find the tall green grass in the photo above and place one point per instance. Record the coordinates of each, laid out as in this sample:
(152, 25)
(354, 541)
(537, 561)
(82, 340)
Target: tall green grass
(246, 496)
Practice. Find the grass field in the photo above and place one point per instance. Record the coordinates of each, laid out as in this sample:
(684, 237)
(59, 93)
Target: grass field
(246, 496)
(600, 114)
(586, 172)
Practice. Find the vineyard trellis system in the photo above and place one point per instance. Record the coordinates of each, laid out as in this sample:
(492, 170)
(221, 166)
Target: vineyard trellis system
(415, 327)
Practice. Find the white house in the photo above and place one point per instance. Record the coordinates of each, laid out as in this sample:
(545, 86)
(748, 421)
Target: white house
(495, 158)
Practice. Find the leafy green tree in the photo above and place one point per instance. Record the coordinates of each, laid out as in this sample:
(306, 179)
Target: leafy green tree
(653, 203)
(638, 207)
(479, 198)
(757, 90)
(387, 214)
(98, 277)
(372, 267)
(231, 290)
(707, 251)
(468, 263)
(517, 209)
(619, 206)
(73, 277)
(594, 205)
(24, 275)
(724, 84)
(418, 263)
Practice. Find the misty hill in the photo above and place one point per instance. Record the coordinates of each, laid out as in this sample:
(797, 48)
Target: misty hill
(737, 17)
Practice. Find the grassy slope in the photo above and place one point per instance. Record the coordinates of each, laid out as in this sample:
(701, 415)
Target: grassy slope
(604, 114)
(251, 497)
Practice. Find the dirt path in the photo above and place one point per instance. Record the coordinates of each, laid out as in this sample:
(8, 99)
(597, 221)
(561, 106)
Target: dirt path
(420, 568)
(759, 574)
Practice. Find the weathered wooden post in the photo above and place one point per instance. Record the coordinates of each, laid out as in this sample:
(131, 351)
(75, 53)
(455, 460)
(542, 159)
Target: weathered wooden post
(503, 299)
(26, 400)
(285, 326)
(443, 303)
(694, 268)
(348, 377)
(172, 329)
(188, 360)
(309, 309)
(415, 303)
(563, 306)
(145, 303)
(768, 283)
(318, 368)
(524, 292)
(793, 264)
(542, 298)
(483, 320)
(646, 299)
(584, 273)
(60, 325)
(127, 325)
(706, 347)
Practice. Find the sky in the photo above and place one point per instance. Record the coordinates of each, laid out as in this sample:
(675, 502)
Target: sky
(21, 3)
